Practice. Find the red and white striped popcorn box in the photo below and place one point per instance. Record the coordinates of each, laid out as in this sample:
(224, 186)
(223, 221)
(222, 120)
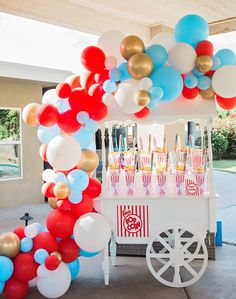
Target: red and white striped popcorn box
(129, 178)
(147, 178)
(192, 188)
(161, 183)
(114, 179)
(179, 179)
(200, 180)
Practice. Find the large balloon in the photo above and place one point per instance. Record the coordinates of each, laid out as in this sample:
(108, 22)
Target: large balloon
(223, 81)
(191, 29)
(6, 268)
(226, 104)
(25, 267)
(9, 244)
(131, 45)
(67, 121)
(78, 180)
(93, 59)
(63, 152)
(89, 160)
(226, 57)
(68, 250)
(182, 57)
(110, 42)
(94, 188)
(55, 283)
(92, 232)
(163, 39)
(85, 206)
(29, 114)
(15, 289)
(74, 268)
(46, 241)
(158, 54)
(170, 80)
(125, 96)
(47, 115)
(50, 97)
(46, 134)
(140, 65)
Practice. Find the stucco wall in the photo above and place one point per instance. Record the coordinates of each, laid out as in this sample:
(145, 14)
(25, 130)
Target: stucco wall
(28, 189)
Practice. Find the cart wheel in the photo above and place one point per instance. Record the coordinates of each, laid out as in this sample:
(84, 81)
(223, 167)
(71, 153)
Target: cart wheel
(177, 257)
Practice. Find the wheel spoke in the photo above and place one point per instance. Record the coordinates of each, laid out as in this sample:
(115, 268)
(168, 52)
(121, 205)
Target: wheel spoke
(164, 268)
(160, 255)
(164, 243)
(194, 256)
(189, 243)
(190, 269)
(177, 278)
(176, 238)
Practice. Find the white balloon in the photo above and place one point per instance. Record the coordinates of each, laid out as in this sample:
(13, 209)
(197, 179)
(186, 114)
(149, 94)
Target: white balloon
(42, 271)
(182, 57)
(63, 152)
(48, 175)
(108, 99)
(125, 95)
(33, 283)
(92, 232)
(224, 81)
(50, 97)
(164, 39)
(31, 230)
(145, 84)
(56, 283)
(110, 62)
(110, 42)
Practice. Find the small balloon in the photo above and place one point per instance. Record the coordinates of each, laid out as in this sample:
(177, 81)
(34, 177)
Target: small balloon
(6, 268)
(204, 63)
(204, 82)
(29, 114)
(52, 201)
(140, 65)
(158, 54)
(9, 244)
(89, 160)
(110, 62)
(57, 254)
(142, 98)
(61, 190)
(145, 84)
(208, 93)
(131, 45)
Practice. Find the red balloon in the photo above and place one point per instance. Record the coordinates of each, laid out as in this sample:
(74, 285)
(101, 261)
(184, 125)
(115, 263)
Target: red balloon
(52, 262)
(99, 111)
(63, 90)
(101, 78)
(190, 93)
(68, 122)
(60, 223)
(94, 188)
(20, 232)
(143, 113)
(63, 204)
(226, 103)
(42, 152)
(47, 189)
(73, 81)
(68, 250)
(46, 241)
(85, 206)
(87, 79)
(204, 47)
(78, 100)
(93, 59)
(96, 91)
(25, 267)
(47, 115)
(15, 289)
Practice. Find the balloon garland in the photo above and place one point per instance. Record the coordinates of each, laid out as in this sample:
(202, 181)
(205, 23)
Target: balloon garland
(119, 72)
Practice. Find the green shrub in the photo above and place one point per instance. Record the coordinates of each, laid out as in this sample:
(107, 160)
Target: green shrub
(219, 145)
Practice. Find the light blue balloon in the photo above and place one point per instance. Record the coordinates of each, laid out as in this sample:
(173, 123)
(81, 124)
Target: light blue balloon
(124, 74)
(46, 134)
(152, 104)
(6, 268)
(26, 244)
(40, 256)
(109, 86)
(115, 75)
(226, 56)
(75, 197)
(87, 254)
(82, 117)
(156, 92)
(216, 62)
(92, 125)
(74, 269)
(78, 180)
(190, 81)
(62, 106)
(197, 73)
(170, 80)
(204, 82)
(60, 177)
(2, 285)
(158, 54)
(84, 137)
(191, 29)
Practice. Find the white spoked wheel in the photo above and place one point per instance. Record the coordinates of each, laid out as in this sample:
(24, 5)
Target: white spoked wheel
(177, 257)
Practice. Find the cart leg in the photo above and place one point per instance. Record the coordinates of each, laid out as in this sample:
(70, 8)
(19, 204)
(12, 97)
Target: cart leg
(113, 249)
(106, 266)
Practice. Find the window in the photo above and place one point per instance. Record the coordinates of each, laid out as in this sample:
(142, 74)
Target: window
(10, 144)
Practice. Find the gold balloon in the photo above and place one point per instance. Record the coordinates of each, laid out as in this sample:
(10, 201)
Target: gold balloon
(208, 93)
(141, 98)
(88, 160)
(29, 114)
(204, 63)
(140, 65)
(131, 45)
(61, 190)
(9, 244)
(52, 201)
(56, 253)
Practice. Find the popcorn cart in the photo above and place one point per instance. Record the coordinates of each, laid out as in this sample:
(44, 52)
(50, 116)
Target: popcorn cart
(163, 199)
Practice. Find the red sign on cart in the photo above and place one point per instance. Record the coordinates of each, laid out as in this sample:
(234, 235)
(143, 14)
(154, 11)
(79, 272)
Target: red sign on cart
(132, 221)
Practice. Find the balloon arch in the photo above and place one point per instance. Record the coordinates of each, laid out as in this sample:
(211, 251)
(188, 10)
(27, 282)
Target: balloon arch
(122, 73)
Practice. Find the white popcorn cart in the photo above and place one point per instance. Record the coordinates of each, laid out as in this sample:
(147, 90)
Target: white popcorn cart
(172, 224)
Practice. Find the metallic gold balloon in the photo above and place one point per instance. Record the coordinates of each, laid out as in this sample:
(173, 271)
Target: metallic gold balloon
(61, 190)
(52, 201)
(29, 114)
(141, 98)
(131, 45)
(9, 244)
(140, 65)
(56, 253)
(88, 160)
(204, 63)
(208, 93)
